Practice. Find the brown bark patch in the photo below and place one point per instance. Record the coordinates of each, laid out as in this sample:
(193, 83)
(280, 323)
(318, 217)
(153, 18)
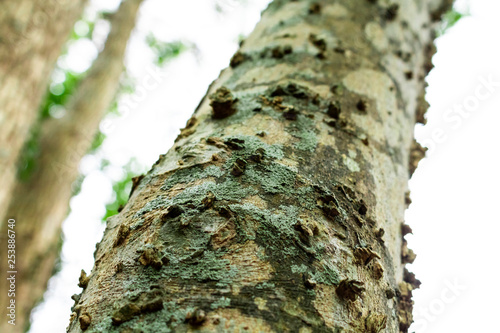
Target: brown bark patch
(405, 306)
(151, 258)
(123, 232)
(251, 268)
(85, 320)
(237, 59)
(350, 289)
(325, 301)
(224, 235)
(406, 229)
(232, 320)
(411, 279)
(315, 8)
(222, 103)
(377, 270)
(196, 317)
(146, 303)
(189, 129)
(125, 313)
(407, 255)
(376, 322)
(364, 255)
(83, 280)
(390, 13)
(417, 152)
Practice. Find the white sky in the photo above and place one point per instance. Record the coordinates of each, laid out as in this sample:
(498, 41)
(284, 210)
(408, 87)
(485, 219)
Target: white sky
(454, 191)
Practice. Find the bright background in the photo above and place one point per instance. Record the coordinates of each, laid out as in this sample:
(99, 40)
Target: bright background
(454, 191)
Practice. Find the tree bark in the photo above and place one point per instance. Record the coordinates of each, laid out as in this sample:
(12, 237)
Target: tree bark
(280, 206)
(40, 205)
(33, 33)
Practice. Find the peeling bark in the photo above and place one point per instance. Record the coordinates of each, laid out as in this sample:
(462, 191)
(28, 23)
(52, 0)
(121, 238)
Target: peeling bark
(283, 215)
(40, 204)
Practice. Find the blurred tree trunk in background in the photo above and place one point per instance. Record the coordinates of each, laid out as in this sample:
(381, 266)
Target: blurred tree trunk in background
(280, 206)
(40, 204)
(32, 35)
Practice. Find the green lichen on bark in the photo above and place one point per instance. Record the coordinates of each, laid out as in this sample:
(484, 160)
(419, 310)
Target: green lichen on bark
(209, 267)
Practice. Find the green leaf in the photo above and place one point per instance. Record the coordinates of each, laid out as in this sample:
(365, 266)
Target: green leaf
(165, 51)
(449, 19)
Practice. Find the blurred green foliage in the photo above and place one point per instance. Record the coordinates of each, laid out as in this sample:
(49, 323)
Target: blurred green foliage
(165, 51)
(121, 187)
(226, 6)
(59, 93)
(29, 155)
(449, 19)
(83, 29)
(76, 187)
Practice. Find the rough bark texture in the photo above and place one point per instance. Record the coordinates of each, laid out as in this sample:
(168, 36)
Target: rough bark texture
(41, 204)
(280, 207)
(33, 33)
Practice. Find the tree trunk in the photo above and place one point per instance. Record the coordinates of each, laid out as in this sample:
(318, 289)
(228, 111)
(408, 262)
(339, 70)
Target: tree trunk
(40, 205)
(280, 206)
(33, 33)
